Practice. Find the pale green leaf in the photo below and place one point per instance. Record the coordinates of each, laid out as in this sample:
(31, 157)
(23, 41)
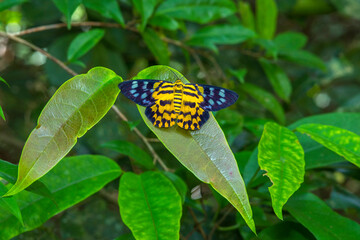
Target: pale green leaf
(83, 43)
(204, 152)
(67, 7)
(278, 79)
(247, 16)
(108, 8)
(341, 141)
(320, 219)
(75, 107)
(146, 9)
(282, 157)
(266, 99)
(156, 46)
(266, 18)
(220, 34)
(129, 149)
(200, 11)
(9, 204)
(150, 206)
(289, 41)
(71, 181)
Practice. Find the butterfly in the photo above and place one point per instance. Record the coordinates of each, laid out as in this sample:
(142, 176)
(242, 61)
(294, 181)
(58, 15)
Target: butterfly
(169, 103)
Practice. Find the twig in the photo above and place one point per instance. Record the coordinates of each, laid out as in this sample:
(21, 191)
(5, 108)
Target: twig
(66, 68)
(48, 55)
(217, 224)
(197, 224)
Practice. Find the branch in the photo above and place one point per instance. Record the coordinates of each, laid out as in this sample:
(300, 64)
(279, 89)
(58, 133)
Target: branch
(48, 55)
(66, 68)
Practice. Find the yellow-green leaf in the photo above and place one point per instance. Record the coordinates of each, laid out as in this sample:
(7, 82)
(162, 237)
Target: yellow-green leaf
(204, 152)
(282, 157)
(75, 107)
(266, 16)
(341, 141)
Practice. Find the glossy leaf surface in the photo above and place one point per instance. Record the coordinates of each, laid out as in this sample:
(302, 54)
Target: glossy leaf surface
(9, 204)
(83, 43)
(150, 206)
(341, 141)
(320, 219)
(204, 152)
(131, 150)
(282, 157)
(71, 181)
(75, 107)
(220, 34)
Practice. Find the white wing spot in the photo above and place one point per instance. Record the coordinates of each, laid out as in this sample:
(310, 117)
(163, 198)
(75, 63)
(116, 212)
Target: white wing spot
(136, 94)
(222, 93)
(132, 91)
(143, 95)
(223, 100)
(211, 102)
(218, 102)
(134, 85)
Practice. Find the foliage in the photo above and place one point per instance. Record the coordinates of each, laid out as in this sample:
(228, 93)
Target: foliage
(287, 150)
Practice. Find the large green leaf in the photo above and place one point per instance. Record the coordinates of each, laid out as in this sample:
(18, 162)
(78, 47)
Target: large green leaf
(71, 181)
(131, 150)
(220, 34)
(316, 155)
(341, 141)
(75, 107)
(146, 9)
(278, 79)
(8, 171)
(156, 46)
(289, 41)
(304, 58)
(5, 4)
(83, 43)
(247, 16)
(266, 99)
(284, 231)
(67, 7)
(108, 8)
(150, 206)
(204, 152)
(282, 157)
(320, 219)
(266, 18)
(164, 21)
(10, 204)
(200, 11)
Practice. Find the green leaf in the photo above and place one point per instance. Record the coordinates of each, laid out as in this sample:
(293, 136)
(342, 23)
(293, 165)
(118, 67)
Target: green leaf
(341, 141)
(289, 41)
(200, 11)
(129, 149)
(83, 43)
(67, 7)
(269, 46)
(3, 80)
(220, 34)
(278, 79)
(71, 181)
(146, 9)
(150, 206)
(266, 17)
(204, 152)
(164, 21)
(304, 58)
(8, 171)
(284, 231)
(6, 4)
(282, 157)
(10, 204)
(156, 46)
(320, 219)
(178, 183)
(239, 74)
(2, 114)
(231, 122)
(108, 8)
(247, 16)
(75, 107)
(266, 99)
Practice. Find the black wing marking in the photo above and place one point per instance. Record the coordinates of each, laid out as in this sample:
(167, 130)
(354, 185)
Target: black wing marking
(216, 98)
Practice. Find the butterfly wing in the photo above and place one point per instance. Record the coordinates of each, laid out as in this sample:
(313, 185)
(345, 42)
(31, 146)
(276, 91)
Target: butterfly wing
(161, 113)
(140, 91)
(216, 98)
(192, 116)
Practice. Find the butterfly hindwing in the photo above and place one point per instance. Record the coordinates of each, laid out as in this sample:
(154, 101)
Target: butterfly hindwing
(162, 113)
(216, 98)
(140, 91)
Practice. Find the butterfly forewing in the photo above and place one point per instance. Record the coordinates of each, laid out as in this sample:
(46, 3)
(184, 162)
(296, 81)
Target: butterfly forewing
(216, 98)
